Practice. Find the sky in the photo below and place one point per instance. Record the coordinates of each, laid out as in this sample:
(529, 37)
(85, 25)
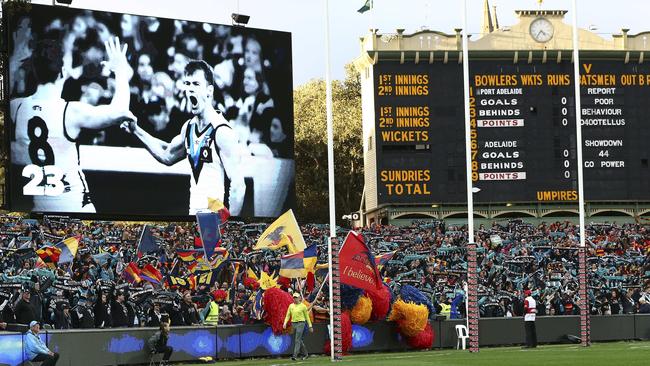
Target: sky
(305, 19)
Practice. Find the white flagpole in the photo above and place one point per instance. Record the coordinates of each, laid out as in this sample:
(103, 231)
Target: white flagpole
(372, 14)
(576, 77)
(330, 171)
(468, 149)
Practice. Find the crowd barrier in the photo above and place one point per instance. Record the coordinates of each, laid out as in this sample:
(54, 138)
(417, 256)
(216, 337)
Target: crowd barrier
(129, 346)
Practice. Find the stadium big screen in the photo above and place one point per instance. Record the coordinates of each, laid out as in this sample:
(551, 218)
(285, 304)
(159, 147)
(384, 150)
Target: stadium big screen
(523, 138)
(118, 114)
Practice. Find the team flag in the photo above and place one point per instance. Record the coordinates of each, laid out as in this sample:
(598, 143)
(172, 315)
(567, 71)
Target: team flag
(132, 273)
(217, 206)
(293, 265)
(209, 229)
(202, 265)
(357, 264)
(39, 263)
(257, 304)
(299, 264)
(366, 6)
(251, 274)
(199, 266)
(151, 274)
(49, 256)
(382, 259)
(233, 285)
(68, 249)
(191, 282)
(282, 232)
(268, 281)
(311, 257)
(206, 278)
(189, 255)
(147, 242)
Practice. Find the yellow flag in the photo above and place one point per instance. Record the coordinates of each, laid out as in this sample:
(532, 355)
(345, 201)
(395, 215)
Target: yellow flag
(215, 205)
(268, 281)
(283, 232)
(251, 274)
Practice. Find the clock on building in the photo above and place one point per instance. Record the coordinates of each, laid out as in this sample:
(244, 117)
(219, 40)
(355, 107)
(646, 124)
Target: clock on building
(541, 29)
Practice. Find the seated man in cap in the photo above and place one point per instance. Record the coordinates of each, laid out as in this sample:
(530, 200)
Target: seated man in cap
(35, 349)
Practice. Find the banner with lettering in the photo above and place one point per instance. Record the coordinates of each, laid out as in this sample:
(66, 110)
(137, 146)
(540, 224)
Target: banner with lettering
(357, 264)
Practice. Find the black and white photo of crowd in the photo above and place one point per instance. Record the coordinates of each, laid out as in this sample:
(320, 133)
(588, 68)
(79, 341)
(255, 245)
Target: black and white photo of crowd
(252, 69)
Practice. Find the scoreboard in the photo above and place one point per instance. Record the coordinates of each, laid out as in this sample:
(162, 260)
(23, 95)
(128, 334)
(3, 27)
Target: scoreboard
(523, 140)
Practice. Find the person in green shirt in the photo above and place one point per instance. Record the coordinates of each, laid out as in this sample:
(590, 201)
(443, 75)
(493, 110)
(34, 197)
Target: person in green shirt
(299, 315)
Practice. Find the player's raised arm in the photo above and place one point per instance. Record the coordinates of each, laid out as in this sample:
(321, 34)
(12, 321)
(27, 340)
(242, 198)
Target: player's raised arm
(168, 153)
(226, 140)
(81, 115)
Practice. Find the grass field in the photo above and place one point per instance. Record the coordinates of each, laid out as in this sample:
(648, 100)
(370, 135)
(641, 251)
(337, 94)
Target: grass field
(610, 354)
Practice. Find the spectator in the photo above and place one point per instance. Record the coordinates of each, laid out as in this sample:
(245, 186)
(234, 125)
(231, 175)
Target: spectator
(35, 349)
(644, 306)
(614, 304)
(239, 317)
(25, 313)
(82, 316)
(189, 310)
(36, 299)
(103, 317)
(628, 303)
(154, 316)
(211, 313)
(225, 316)
(63, 319)
(119, 311)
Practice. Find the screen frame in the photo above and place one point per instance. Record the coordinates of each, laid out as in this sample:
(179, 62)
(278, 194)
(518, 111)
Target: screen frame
(8, 204)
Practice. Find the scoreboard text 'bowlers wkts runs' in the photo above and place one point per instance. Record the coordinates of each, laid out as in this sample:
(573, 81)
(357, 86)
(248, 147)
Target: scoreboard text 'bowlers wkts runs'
(523, 140)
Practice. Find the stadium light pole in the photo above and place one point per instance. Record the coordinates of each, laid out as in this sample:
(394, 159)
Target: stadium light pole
(330, 173)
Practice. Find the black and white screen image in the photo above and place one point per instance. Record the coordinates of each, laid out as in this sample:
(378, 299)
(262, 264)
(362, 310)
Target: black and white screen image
(117, 114)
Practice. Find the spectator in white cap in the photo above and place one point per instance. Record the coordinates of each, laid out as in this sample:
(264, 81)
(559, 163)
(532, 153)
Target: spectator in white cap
(35, 349)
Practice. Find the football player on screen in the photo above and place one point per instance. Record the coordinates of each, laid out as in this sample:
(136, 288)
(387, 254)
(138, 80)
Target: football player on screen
(45, 150)
(207, 140)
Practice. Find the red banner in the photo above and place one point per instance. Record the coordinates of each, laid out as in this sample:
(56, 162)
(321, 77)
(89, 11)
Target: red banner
(357, 264)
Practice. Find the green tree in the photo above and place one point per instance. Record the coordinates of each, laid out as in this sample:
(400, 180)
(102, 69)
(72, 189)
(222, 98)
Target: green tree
(311, 147)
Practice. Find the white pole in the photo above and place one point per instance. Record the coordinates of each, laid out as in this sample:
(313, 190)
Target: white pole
(576, 77)
(468, 147)
(330, 170)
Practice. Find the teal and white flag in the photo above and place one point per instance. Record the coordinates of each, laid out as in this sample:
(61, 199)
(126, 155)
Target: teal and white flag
(366, 6)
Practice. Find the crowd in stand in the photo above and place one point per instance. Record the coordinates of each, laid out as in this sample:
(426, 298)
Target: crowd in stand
(250, 73)
(92, 290)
